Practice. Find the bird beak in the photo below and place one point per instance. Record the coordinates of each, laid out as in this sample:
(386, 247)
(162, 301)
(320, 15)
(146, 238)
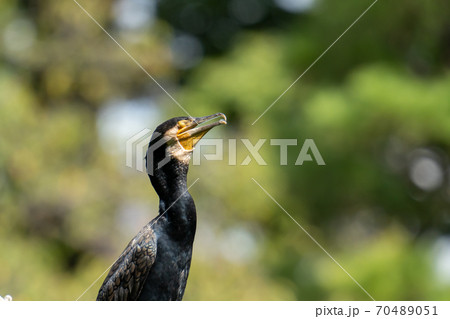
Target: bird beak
(191, 133)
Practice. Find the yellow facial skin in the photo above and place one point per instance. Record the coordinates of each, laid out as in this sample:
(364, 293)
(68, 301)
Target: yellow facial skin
(188, 140)
(185, 125)
(189, 134)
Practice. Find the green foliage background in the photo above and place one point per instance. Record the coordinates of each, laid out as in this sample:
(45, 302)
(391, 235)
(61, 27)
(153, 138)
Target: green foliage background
(375, 104)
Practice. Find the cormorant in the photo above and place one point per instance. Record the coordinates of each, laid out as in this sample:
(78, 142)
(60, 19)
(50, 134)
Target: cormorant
(155, 264)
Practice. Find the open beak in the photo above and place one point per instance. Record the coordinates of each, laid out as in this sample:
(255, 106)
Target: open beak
(191, 133)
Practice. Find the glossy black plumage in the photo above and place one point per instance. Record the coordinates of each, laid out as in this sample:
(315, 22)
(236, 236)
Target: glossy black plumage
(155, 264)
(127, 276)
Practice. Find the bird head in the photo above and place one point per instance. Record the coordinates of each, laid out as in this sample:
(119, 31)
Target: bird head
(177, 137)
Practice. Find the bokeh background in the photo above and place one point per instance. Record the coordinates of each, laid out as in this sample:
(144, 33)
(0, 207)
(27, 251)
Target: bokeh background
(377, 106)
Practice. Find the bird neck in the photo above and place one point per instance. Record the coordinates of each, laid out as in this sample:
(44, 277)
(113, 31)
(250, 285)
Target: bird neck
(180, 211)
(175, 202)
(170, 181)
